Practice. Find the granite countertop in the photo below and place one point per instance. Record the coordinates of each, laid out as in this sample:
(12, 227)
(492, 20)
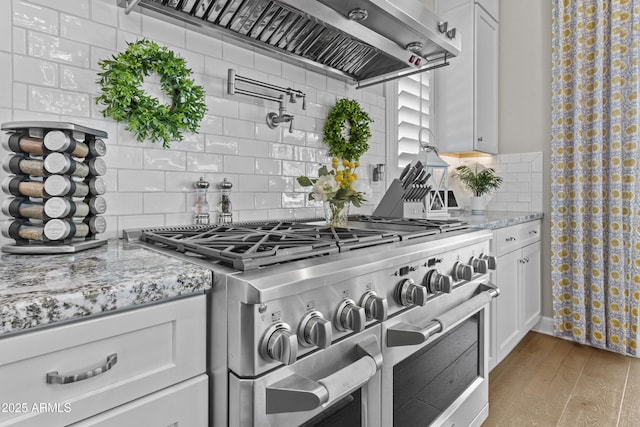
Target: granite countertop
(38, 290)
(498, 219)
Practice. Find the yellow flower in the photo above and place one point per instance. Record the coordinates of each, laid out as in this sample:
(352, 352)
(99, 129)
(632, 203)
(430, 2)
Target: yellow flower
(345, 163)
(357, 163)
(355, 176)
(335, 160)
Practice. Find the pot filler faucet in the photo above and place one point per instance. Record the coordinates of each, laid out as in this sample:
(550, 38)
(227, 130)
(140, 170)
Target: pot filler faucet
(273, 119)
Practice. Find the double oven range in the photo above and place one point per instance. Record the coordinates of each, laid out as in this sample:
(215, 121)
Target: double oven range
(382, 323)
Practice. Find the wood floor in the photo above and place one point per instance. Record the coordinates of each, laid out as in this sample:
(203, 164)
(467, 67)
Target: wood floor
(549, 381)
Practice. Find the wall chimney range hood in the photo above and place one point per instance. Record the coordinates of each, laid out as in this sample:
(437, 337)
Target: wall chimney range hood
(359, 41)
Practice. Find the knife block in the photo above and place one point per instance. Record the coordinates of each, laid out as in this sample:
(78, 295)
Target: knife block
(392, 205)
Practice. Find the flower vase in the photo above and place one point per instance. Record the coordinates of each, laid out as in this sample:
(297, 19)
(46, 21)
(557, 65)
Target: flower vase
(478, 205)
(336, 213)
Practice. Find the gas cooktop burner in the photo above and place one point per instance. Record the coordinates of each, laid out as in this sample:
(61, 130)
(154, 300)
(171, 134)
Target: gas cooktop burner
(252, 245)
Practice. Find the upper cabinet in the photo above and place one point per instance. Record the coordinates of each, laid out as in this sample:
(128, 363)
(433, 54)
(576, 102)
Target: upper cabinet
(466, 92)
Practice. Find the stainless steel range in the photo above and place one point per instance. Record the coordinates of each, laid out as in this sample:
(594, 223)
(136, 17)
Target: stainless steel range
(312, 325)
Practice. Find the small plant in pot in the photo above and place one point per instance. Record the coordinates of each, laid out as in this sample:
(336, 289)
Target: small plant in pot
(480, 183)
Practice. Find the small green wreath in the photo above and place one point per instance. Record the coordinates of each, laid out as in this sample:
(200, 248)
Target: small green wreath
(125, 100)
(347, 110)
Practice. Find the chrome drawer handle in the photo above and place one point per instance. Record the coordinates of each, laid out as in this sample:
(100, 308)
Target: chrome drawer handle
(534, 232)
(510, 239)
(54, 378)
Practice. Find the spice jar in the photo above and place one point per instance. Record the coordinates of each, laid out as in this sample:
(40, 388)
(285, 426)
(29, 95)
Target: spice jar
(97, 224)
(57, 140)
(23, 207)
(20, 143)
(59, 185)
(58, 207)
(24, 165)
(21, 230)
(22, 186)
(96, 186)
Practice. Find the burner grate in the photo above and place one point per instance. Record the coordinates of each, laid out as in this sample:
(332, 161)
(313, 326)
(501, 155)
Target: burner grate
(253, 245)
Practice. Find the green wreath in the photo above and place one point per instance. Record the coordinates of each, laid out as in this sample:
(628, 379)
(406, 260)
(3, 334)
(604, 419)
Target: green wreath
(125, 100)
(351, 149)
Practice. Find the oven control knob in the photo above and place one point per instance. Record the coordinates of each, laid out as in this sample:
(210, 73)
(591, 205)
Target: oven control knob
(479, 265)
(437, 282)
(408, 293)
(462, 271)
(375, 307)
(350, 317)
(279, 344)
(491, 260)
(314, 330)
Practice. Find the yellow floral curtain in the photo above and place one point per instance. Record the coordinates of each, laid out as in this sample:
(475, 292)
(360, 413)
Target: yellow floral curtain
(595, 208)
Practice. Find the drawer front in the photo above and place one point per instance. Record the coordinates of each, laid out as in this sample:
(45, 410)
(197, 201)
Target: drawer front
(511, 238)
(181, 405)
(155, 347)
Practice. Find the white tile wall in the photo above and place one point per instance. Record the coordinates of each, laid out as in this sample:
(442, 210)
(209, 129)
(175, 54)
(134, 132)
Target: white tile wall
(50, 51)
(521, 189)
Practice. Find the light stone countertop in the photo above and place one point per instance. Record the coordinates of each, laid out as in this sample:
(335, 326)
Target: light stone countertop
(38, 290)
(497, 219)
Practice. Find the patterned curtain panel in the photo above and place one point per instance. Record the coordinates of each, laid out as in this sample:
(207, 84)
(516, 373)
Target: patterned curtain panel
(595, 206)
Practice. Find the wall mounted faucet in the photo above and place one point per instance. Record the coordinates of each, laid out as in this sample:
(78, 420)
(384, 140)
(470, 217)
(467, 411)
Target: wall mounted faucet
(273, 119)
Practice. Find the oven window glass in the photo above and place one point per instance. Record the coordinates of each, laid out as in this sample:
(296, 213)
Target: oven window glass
(429, 381)
(346, 412)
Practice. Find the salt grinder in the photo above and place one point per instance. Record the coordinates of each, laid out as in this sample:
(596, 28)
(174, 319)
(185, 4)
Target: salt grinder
(224, 206)
(201, 208)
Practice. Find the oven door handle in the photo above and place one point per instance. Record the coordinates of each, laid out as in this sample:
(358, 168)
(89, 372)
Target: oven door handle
(299, 393)
(404, 334)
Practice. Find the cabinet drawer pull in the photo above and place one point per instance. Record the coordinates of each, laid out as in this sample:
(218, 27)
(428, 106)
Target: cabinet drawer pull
(534, 232)
(510, 239)
(54, 378)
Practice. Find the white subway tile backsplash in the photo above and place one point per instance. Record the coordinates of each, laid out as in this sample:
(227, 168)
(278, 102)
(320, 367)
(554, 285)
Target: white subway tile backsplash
(204, 44)
(58, 49)
(48, 100)
(140, 180)
(252, 183)
(268, 166)
(76, 7)
(86, 31)
(167, 160)
(221, 144)
(251, 147)
(200, 162)
(238, 164)
(520, 167)
(35, 71)
(124, 203)
(123, 157)
(19, 42)
(293, 200)
(160, 31)
(102, 11)
(279, 184)
(35, 17)
(237, 128)
(295, 169)
(20, 96)
(164, 203)
(237, 55)
(74, 78)
(281, 151)
(149, 186)
(5, 27)
(268, 200)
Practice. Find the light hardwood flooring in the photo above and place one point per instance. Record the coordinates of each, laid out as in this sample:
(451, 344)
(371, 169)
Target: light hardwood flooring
(548, 381)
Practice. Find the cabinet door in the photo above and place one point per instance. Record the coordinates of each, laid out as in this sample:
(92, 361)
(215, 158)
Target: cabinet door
(183, 404)
(486, 78)
(507, 313)
(530, 284)
(492, 7)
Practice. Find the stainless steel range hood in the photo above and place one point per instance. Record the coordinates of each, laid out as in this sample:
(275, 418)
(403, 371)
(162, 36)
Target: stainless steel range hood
(364, 41)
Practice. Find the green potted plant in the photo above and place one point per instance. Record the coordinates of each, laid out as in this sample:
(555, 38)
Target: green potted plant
(480, 183)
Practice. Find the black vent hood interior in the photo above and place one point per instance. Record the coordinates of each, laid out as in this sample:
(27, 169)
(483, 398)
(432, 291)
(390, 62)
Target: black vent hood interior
(359, 41)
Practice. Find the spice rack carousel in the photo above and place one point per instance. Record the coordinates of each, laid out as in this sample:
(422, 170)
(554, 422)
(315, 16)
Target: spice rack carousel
(55, 187)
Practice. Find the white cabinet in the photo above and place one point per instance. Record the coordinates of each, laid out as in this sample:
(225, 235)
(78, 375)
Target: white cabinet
(518, 276)
(466, 91)
(70, 372)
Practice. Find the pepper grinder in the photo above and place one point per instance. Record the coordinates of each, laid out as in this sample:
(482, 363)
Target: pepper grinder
(224, 206)
(201, 207)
